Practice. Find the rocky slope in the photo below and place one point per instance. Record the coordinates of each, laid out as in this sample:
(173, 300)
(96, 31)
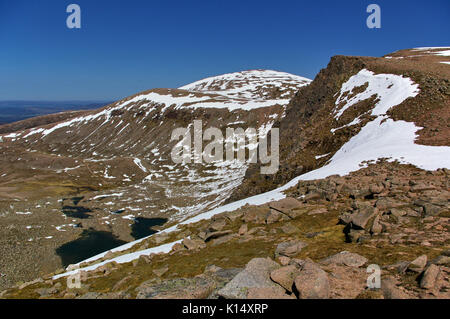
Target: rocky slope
(66, 177)
(302, 246)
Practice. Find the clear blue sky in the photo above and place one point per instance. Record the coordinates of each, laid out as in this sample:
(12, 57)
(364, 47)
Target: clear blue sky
(125, 47)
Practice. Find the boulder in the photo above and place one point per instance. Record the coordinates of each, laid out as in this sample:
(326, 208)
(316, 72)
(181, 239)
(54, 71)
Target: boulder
(288, 228)
(429, 277)
(363, 215)
(217, 225)
(345, 258)
(255, 275)
(217, 234)
(312, 282)
(418, 264)
(160, 271)
(285, 276)
(243, 229)
(285, 205)
(192, 244)
(289, 248)
(390, 290)
(256, 215)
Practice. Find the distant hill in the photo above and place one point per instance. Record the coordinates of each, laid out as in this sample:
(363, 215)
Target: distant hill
(13, 111)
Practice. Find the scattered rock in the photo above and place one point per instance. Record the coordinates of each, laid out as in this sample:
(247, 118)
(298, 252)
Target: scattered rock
(441, 261)
(390, 289)
(285, 205)
(255, 275)
(217, 234)
(418, 264)
(192, 244)
(283, 260)
(223, 239)
(161, 271)
(289, 229)
(345, 258)
(285, 276)
(289, 248)
(429, 277)
(312, 282)
(243, 229)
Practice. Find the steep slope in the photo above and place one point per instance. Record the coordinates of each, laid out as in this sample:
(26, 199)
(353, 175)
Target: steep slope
(400, 101)
(110, 170)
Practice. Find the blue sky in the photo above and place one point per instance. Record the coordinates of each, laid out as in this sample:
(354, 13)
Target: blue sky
(125, 47)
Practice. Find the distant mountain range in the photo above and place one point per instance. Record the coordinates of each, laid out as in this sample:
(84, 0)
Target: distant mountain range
(13, 111)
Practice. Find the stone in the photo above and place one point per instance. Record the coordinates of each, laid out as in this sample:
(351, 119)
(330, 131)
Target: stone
(289, 229)
(177, 247)
(193, 244)
(160, 271)
(255, 275)
(199, 287)
(256, 215)
(418, 264)
(318, 211)
(223, 239)
(273, 217)
(345, 258)
(212, 268)
(109, 255)
(377, 227)
(289, 248)
(216, 234)
(285, 276)
(160, 237)
(243, 230)
(312, 283)
(283, 260)
(217, 225)
(390, 289)
(385, 203)
(441, 261)
(234, 215)
(376, 188)
(362, 216)
(285, 205)
(429, 277)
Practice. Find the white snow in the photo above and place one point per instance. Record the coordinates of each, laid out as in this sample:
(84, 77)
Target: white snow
(124, 258)
(388, 88)
(442, 51)
(138, 162)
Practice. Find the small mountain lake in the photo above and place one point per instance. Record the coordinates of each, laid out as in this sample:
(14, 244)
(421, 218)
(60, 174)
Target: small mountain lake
(90, 243)
(142, 226)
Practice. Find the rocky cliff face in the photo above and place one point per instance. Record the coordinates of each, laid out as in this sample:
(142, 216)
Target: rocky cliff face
(311, 133)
